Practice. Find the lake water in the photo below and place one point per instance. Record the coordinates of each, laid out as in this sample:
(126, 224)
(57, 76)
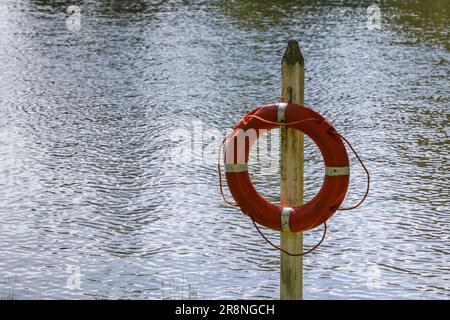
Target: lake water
(98, 199)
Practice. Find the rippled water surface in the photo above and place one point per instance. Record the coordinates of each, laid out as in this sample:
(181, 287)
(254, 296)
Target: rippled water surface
(91, 121)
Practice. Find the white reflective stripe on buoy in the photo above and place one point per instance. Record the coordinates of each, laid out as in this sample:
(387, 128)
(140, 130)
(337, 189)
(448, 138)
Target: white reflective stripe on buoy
(285, 214)
(281, 112)
(240, 167)
(337, 171)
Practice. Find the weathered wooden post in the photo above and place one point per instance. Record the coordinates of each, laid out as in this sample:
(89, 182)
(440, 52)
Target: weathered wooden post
(292, 90)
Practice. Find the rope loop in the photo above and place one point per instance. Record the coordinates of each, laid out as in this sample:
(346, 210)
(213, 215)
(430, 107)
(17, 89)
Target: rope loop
(287, 252)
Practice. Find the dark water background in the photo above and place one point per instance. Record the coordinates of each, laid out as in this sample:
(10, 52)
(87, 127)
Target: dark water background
(88, 178)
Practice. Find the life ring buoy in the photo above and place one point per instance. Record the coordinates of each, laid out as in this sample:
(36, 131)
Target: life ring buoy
(337, 169)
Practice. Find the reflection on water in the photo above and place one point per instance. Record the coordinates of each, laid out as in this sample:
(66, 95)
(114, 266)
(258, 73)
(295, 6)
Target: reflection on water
(89, 182)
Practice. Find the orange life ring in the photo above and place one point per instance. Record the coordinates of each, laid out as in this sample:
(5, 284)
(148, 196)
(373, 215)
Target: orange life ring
(337, 169)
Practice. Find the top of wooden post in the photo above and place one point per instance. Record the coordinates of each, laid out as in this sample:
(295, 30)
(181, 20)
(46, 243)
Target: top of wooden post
(292, 55)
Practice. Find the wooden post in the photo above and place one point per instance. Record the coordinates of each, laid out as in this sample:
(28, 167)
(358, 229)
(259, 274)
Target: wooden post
(292, 90)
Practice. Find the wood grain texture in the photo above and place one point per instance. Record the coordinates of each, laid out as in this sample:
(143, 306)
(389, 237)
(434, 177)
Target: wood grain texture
(292, 90)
